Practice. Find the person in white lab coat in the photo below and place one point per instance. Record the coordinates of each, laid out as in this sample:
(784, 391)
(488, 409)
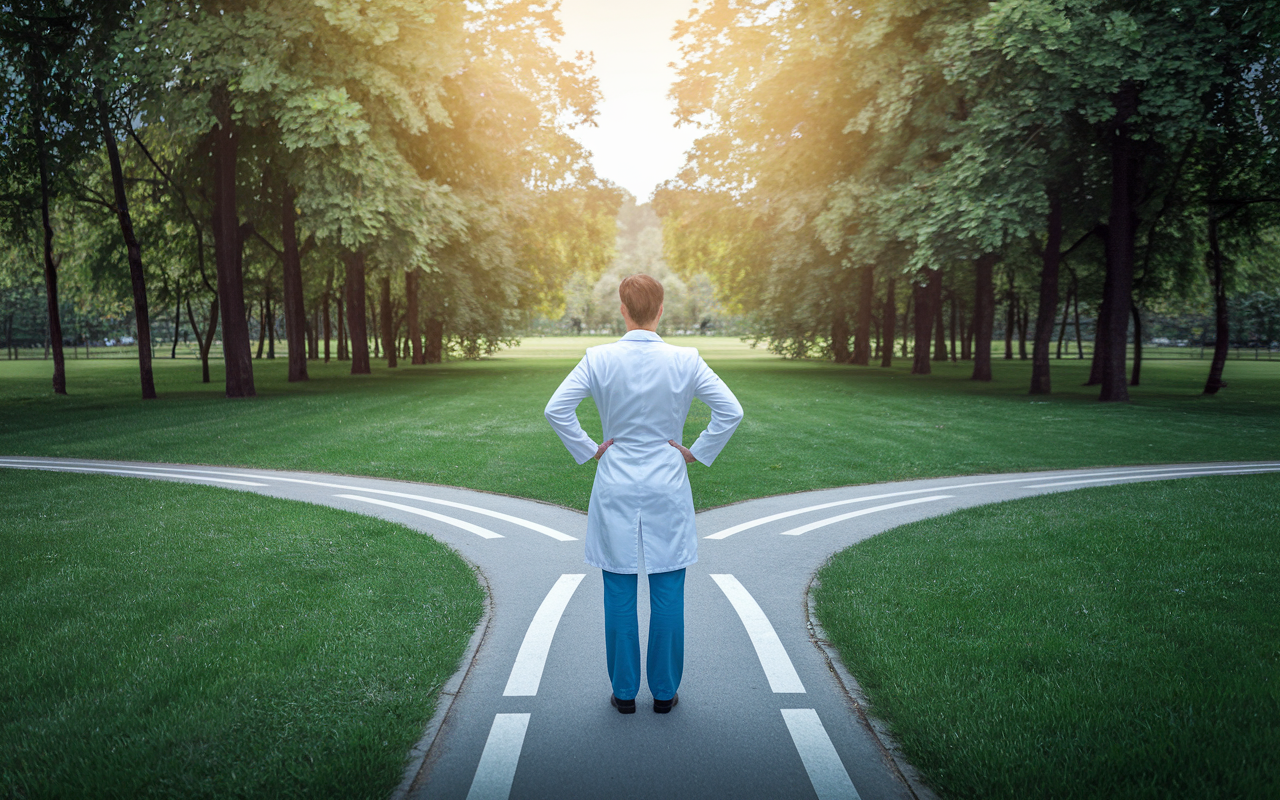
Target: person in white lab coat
(641, 502)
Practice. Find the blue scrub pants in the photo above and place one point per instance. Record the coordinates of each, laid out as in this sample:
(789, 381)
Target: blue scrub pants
(665, 662)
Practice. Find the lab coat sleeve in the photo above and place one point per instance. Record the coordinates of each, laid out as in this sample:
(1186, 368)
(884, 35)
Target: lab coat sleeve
(726, 413)
(562, 413)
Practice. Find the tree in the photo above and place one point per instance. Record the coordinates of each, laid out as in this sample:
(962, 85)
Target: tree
(45, 134)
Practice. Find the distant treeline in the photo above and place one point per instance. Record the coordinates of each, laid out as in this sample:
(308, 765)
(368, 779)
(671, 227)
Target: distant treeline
(878, 169)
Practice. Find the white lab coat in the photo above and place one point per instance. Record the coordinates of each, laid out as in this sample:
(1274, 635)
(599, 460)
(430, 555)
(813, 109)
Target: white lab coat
(642, 387)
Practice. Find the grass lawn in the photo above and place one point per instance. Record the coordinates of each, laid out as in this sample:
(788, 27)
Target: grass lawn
(1106, 642)
(177, 640)
(808, 425)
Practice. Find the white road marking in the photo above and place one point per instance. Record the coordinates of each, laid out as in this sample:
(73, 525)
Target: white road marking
(1154, 476)
(457, 523)
(526, 673)
(727, 532)
(124, 472)
(822, 523)
(773, 656)
(524, 523)
(497, 768)
(826, 772)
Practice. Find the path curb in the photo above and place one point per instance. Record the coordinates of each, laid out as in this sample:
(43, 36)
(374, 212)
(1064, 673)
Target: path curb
(889, 747)
(416, 766)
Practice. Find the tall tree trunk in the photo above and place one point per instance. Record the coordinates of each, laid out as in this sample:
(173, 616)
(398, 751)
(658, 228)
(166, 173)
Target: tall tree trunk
(1047, 310)
(1062, 331)
(372, 305)
(922, 294)
(262, 321)
(955, 322)
(177, 325)
(205, 342)
(313, 341)
(1075, 305)
(343, 351)
(228, 244)
(1222, 319)
(889, 316)
(435, 339)
(939, 323)
(1010, 319)
(388, 319)
(271, 328)
(357, 322)
(984, 312)
(1024, 318)
(50, 266)
(414, 314)
(840, 336)
(1137, 346)
(862, 321)
(1100, 334)
(137, 278)
(294, 311)
(906, 325)
(328, 331)
(1122, 228)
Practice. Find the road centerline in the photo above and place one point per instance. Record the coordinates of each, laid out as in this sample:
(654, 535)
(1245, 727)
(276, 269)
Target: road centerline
(514, 520)
(773, 657)
(826, 771)
(1162, 475)
(822, 523)
(754, 523)
(526, 672)
(497, 768)
(125, 472)
(422, 512)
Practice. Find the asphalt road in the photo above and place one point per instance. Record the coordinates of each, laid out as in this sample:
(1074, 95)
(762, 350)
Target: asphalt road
(763, 712)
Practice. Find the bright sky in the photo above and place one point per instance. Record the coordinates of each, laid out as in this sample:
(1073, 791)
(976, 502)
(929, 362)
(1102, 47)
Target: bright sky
(636, 144)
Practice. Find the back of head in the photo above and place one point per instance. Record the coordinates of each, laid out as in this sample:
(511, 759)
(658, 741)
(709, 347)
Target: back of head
(642, 295)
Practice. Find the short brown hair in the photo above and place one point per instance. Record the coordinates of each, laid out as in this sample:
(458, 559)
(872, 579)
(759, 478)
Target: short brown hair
(642, 296)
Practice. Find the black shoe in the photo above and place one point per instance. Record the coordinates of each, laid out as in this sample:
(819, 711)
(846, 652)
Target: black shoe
(663, 706)
(623, 706)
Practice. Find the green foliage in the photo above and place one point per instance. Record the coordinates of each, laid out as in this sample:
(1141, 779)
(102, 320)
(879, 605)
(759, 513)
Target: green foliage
(919, 136)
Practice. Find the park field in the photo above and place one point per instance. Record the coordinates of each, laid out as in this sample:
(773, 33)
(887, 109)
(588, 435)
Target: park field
(166, 640)
(479, 424)
(190, 694)
(1105, 642)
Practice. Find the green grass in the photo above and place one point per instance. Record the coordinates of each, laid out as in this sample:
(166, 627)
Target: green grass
(808, 425)
(176, 640)
(1107, 642)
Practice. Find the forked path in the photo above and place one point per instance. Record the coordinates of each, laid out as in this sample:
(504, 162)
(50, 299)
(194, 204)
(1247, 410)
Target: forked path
(762, 712)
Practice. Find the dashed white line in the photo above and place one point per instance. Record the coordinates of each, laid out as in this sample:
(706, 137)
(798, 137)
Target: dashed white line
(748, 525)
(497, 768)
(124, 472)
(526, 673)
(822, 523)
(457, 523)
(773, 656)
(524, 523)
(1156, 476)
(826, 772)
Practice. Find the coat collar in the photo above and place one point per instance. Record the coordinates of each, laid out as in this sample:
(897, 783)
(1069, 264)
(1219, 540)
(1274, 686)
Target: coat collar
(640, 335)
